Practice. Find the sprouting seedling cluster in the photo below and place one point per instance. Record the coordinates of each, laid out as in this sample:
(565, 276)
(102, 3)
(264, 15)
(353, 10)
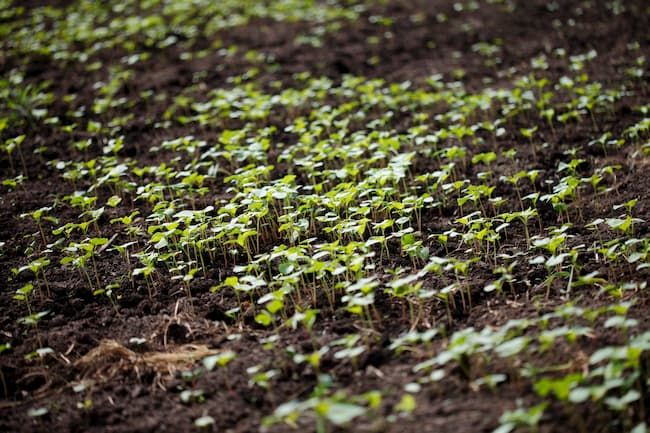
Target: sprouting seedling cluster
(399, 208)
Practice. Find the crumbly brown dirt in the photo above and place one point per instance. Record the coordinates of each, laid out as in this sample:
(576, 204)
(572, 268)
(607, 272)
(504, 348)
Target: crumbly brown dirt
(137, 398)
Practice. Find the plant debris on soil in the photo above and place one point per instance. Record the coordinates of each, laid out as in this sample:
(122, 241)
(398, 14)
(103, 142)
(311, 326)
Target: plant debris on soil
(342, 215)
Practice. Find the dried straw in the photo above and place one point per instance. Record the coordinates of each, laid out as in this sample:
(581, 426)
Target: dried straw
(110, 358)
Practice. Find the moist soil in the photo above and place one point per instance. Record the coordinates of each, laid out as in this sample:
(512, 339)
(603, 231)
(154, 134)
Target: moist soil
(144, 400)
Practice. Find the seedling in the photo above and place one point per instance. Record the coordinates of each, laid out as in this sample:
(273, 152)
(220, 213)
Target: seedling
(220, 360)
(521, 417)
(355, 228)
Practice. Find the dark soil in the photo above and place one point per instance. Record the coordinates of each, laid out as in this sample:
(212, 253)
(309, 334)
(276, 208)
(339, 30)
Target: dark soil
(417, 46)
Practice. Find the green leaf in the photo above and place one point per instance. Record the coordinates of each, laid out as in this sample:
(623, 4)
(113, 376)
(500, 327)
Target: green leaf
(512, 347)
(37, 412)
(113, 201)
(560, 387)
(286, 268)
(579, 395)
(556, 260)
(274, 306)
(343, 413)
(98, 241)
(407, 404)
(264, 318)
(204, 421)
(231, 281)
(221, 359)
